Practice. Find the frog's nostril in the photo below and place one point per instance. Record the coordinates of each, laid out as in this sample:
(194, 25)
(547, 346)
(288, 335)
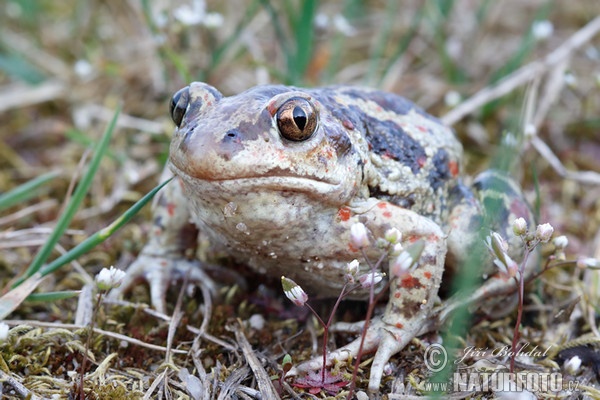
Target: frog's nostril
(231, 134)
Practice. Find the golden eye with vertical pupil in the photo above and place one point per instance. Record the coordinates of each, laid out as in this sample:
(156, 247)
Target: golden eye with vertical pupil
(296, 119)
(179, 105)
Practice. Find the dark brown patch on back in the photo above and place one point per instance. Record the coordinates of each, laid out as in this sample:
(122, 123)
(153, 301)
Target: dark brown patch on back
(388, 139)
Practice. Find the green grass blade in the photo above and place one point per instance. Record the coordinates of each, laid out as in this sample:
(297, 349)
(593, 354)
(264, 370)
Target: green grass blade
(51, 297)
(377, 55)
(101, 235)
(71, 209)
(304, 37)
(233, 39)
(403, 43)
(25, 191)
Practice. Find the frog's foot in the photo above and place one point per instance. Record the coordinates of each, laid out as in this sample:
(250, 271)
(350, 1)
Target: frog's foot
(384, 339)
(159, 272)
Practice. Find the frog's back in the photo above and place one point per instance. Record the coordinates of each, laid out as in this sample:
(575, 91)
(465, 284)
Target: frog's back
(411, 158)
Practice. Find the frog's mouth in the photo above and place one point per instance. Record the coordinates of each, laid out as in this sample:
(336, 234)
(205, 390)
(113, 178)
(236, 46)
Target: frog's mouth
(281, 181)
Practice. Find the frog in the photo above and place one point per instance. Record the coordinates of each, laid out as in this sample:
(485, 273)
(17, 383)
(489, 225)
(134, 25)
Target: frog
(275, 177)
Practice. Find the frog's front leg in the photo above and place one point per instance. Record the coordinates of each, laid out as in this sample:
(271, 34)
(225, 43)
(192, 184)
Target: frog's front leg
(165, 256)
(412, 295)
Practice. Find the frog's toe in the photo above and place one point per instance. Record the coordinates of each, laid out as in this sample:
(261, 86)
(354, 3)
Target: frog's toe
(384, 339)
(159, 272)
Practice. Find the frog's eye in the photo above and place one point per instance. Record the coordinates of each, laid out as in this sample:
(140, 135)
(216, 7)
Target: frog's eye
(296, 119)
(179, 105)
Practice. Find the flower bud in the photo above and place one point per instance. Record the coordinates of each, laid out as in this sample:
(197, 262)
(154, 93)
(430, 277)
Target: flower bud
(352, 267)
(587, 262)
(359, 235)
(293, 291)
(519, 226)
(499, 249)
(393, 235)
(370, 279)
(560, 242)
(544, 232)
(572, 365)
(109, 278)
(407, 261)
(4, 328)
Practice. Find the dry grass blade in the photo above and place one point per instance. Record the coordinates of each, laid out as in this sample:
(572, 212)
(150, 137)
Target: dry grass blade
(524, 74)
(52, 325)
(265, 385)
(18, 386)
(17, 96)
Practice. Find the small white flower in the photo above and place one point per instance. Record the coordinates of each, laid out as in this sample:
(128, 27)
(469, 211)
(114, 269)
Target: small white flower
(3, 331)
(83, 69)
(499, 249)
(570, 80)
(393, 235)
(407, 261)
(572, 365)
(213, 20)
(321, 21)
(370, 279)
(560, 242)
(352, 267)
(542, 29)
(509, 139)
(496, 243)
(402, 264)
(189, 15)
(359, 235)
(507, 266)
(519, 226)
(293, 291)
(452, 98)
(396, 250)
(109, 278)
(530, 130)
(587, 262)
(544, 232)
(343, 26)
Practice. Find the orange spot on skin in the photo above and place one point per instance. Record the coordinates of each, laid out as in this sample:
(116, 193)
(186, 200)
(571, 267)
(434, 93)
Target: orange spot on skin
(387, 214)
(422, 161)
(352, 249)
(382, 205)
(344, 214)
(347, 124)
(410, 282)
(412, 238)
(427, 275)
(453, 167)
(422, 128)
(399, 325)
(171, 209)
(271, 108)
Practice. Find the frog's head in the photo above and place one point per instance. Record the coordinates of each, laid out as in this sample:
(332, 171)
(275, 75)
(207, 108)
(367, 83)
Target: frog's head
(269, 138)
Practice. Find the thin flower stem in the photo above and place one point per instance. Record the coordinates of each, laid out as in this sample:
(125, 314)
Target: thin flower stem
(370, 310)
(326, 327)
(521, 293)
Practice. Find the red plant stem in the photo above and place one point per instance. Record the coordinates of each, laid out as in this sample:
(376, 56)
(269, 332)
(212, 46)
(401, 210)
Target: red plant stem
(326, 327)
(521, 293)
(370, 310)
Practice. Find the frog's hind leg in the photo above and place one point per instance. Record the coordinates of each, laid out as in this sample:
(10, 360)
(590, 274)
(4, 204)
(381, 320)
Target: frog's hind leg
(493, 205)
